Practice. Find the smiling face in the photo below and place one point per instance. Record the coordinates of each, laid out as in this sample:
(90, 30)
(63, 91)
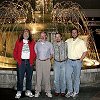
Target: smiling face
(43, 36)
(58, 37)
(26, 34)
(74, 34)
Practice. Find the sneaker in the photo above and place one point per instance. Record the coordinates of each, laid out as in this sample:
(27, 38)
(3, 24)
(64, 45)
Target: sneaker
(56, 94)
(63, 94)
(37, 94)
(75, 95)
(49, 95)
(18, 95)
(69, 94)
(29, 93)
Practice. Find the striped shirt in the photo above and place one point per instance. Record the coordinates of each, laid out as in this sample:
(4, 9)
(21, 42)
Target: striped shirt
(60, 51)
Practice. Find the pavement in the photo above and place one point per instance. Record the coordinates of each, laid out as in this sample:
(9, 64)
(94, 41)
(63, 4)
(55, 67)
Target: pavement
(91, 92)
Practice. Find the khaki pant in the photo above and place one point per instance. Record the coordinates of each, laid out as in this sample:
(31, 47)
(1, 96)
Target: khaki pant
(43, 72)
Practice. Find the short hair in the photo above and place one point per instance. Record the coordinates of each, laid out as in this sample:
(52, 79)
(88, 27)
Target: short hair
(59, 34)
(45, 33)
(74, 29)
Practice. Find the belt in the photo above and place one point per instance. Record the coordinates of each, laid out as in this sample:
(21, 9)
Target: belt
(61, 61)
(25, 59)
(44, 59)
(74, 59)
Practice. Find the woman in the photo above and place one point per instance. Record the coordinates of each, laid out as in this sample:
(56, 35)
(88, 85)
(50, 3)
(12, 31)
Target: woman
(25, 55)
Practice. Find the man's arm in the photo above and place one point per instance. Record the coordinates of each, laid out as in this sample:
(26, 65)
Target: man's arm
(35, 46)
(83, 56)
(52, 52)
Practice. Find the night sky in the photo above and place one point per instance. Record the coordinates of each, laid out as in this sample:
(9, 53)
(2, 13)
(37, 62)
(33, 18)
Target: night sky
(86, 4)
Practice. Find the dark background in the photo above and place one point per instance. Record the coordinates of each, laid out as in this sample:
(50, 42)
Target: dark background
(86, 4)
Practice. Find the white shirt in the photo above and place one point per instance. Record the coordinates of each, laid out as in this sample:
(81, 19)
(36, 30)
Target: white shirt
(25, 50)
(76, 48)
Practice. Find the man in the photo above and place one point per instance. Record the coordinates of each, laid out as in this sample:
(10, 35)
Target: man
(25, 56)
(60, 59)
(44, 51)
(77, 50)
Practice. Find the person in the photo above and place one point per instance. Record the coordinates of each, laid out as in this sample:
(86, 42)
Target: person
(25, 55)
(77, 51)
(44, 52)
(60, 59)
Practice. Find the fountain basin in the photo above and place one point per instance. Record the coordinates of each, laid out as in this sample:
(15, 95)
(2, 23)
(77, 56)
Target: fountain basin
(8, 78)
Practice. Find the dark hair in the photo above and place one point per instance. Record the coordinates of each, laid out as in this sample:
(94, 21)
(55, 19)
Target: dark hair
(74, 29)
(21, 35)
(59, 34)
(45, 33)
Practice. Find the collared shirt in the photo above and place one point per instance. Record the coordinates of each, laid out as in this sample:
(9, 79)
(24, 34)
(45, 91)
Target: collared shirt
(60, 51)
(76, 48)
(44, 50)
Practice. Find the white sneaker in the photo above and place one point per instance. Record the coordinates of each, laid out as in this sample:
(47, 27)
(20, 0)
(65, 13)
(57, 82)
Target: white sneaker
(18, 95)
(49, 95)
(75, 95)
(29, 93)
(37, 94)
(69, 94)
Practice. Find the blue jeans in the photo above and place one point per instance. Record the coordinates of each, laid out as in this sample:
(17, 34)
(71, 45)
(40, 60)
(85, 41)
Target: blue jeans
(73, 71)
(24, 70)
(59, 76)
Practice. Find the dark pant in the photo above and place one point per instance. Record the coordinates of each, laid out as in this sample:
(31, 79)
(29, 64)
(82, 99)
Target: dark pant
(24, 70)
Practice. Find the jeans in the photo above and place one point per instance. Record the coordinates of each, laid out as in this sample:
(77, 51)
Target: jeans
(24, 70)
(59, 76)
(73, 71)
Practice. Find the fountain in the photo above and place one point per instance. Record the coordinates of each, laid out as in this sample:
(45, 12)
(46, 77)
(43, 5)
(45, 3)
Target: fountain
(13, 17)
(16, 15)
(69, 15)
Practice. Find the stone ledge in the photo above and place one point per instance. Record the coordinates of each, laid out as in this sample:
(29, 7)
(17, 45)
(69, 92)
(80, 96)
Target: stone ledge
(8, 78)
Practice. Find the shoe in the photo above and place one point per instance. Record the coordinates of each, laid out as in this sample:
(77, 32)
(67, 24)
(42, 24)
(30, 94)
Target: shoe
(37, 94)
(18, 95)
(75, 95)
(49, 95)
(63, 94)
(56, 94)
(69, 94)
(29, 93)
